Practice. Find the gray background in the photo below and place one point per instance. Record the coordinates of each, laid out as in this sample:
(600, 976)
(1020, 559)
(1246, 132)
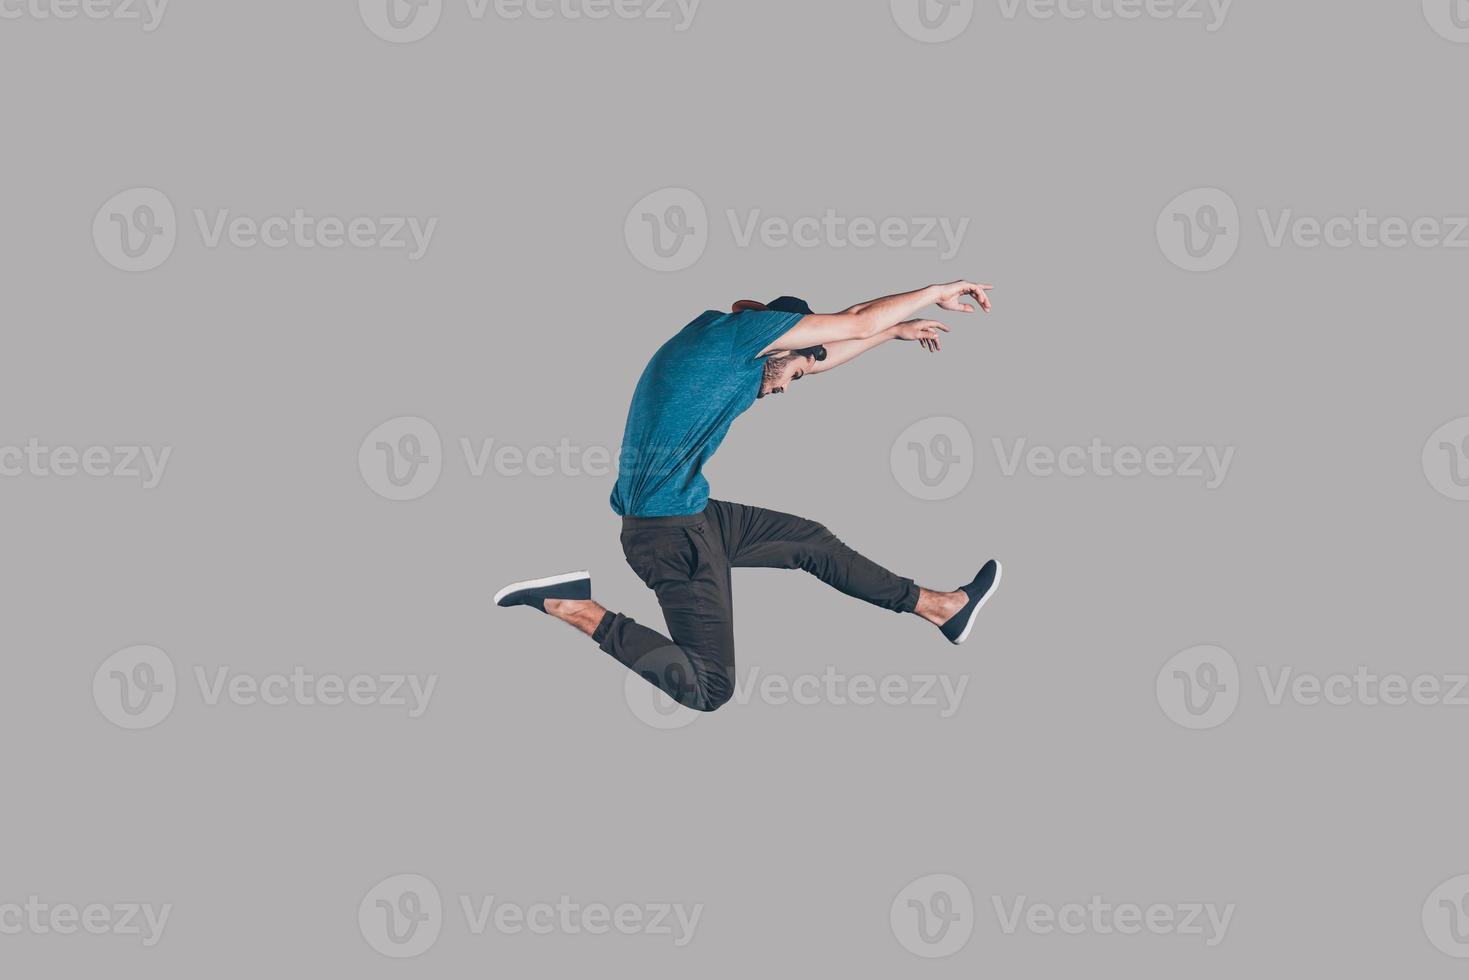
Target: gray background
(528, 322)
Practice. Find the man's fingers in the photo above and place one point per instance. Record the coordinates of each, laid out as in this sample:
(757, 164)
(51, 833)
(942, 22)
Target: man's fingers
(977, 290)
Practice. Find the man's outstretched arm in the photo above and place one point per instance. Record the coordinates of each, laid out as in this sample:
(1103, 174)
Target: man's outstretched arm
(866, 321)
(926, 332)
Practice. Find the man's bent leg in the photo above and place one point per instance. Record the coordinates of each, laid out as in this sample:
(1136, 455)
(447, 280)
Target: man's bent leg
(683, 563)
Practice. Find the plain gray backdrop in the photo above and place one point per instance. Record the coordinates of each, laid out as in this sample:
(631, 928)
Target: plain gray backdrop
(528, 321)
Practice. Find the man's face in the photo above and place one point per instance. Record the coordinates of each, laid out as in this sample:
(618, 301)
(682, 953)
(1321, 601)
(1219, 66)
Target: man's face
(783, 367)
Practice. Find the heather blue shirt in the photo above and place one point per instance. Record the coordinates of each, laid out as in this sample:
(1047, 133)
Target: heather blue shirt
(690, 392)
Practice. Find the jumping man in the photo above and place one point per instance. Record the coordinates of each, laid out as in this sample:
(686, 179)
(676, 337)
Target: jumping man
(682, 544)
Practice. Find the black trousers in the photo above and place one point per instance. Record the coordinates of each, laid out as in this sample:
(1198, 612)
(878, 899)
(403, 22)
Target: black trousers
(686, 561)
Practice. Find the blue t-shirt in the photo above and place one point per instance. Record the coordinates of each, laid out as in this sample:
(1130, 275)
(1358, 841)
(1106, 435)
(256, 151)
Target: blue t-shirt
(690, 392)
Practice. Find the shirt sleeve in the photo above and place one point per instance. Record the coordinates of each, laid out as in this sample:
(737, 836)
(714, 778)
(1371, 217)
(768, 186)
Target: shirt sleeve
(755, 330)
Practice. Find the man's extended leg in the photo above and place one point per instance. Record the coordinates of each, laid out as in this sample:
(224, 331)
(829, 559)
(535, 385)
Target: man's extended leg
(754, 537)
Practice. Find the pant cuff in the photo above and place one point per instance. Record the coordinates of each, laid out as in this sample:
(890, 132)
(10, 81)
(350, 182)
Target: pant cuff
(599, 635)
(910, 599)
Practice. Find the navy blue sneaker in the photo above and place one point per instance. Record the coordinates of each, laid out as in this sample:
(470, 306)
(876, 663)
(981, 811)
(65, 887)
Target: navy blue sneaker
(535, 592)
(979, 591)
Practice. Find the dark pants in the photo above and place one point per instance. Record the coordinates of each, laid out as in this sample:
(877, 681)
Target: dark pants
(686, 562)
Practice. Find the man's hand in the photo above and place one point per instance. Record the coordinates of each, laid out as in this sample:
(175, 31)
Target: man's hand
(951, 296)
(926, 332)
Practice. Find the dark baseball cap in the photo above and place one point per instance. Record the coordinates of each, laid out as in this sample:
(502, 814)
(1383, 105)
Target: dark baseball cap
(790, 304)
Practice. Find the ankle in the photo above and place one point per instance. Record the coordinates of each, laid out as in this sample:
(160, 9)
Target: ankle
(939, 607)
(584, 614)
(565, 608)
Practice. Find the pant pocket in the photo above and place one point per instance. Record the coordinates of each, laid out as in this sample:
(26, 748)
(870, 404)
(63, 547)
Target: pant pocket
(662, 556)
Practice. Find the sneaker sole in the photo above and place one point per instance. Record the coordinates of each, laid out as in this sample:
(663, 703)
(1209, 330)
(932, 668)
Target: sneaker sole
(540, 583)
(994, 587)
